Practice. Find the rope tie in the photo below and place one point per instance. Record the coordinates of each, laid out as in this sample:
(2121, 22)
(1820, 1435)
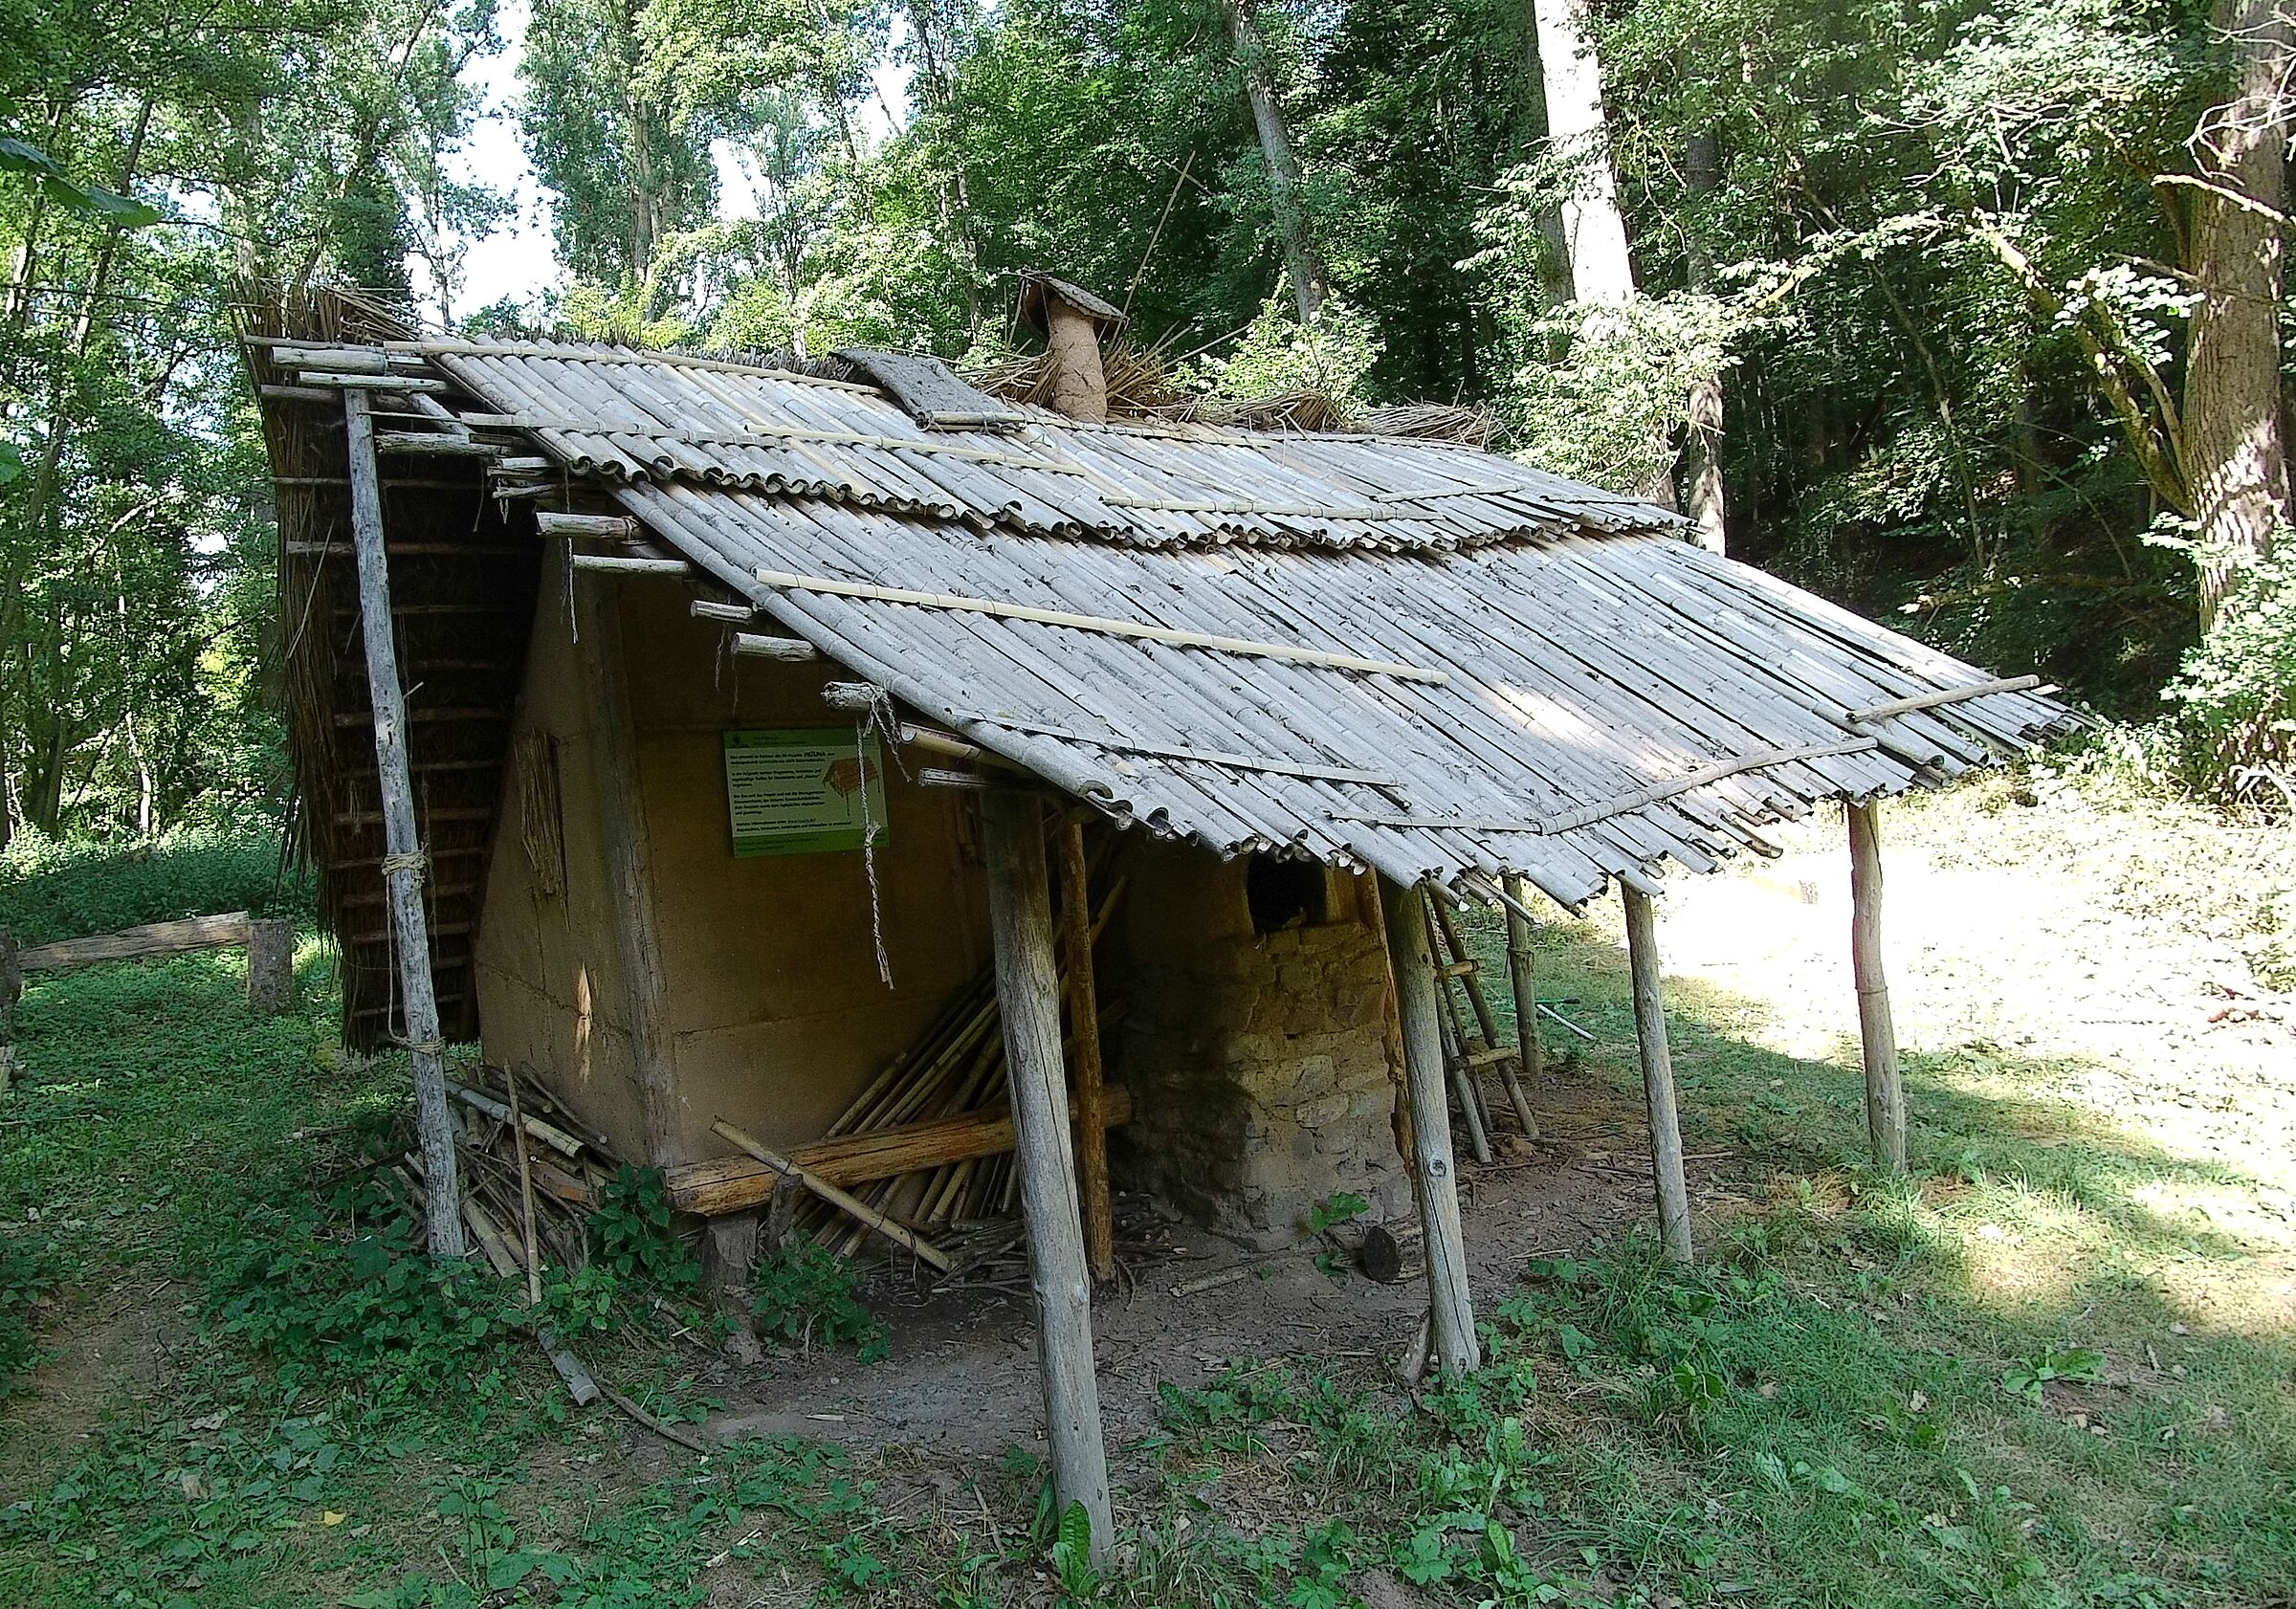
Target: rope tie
(427, 1048)
(873, 718)
(413, 859)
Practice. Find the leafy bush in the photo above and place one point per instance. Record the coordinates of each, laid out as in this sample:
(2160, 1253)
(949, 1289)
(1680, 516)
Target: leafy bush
(56, 888)
(806, 1294)
(632, 1229)
(350, 1294)
(2233, 731)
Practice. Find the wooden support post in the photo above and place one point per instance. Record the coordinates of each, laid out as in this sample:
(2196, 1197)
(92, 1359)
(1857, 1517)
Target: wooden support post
(1413, 967)
(1019, 917)
(1658, 1078)
(1084, 1019)
(628, 855)
(1523, 973)
(1885, 1088)
(270, 966)
(403, 862)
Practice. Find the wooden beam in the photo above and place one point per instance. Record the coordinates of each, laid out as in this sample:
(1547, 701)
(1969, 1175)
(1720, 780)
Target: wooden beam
(403, 864)
(1884, 1087)
(434, 444)
(727, 1184)
(1658, 1076)
(1084, 1019)
(617, 527)
(790, 650)
(1411, 963)
(1942, 695)
(630, 858)
(152, 939)
(900, 1234)
(1020, 917)
(1522, 972)
(598, 563)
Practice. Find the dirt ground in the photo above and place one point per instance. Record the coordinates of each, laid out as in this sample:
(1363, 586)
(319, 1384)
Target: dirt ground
(961, 1385)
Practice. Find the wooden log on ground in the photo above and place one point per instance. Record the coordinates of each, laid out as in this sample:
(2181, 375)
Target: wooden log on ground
(152, 939)
(1658, 1076)
(1019, 915)
(403, 862)
(1413, 967)
(735, 1183)
(270, 966)
(899, 1234)
(1083, 1016)
(1877, 1029)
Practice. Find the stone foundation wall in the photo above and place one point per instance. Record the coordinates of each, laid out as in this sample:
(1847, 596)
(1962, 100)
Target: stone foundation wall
(1259, 1062)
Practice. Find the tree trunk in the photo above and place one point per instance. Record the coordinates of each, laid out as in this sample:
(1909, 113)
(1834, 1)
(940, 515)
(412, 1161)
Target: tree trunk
(1310, 283)
(2236, 447)
(1594, 230)
(1702, 494)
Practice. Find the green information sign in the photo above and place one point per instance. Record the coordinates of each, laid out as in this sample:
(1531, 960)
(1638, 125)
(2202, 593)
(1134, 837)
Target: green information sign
(802, 791)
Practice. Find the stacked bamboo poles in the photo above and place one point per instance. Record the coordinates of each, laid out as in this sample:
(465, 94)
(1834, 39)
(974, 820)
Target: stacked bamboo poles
(956, 1066)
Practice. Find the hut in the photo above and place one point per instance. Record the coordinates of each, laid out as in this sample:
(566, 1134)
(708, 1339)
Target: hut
(703, 721)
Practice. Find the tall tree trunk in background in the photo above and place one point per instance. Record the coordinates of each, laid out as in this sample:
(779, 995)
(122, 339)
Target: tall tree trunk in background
(1702, 493)
(2236, 447)
(1594, 230)
(1310, 283)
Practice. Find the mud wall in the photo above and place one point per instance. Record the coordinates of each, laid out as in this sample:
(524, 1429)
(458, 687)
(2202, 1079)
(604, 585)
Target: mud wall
(775, 1013)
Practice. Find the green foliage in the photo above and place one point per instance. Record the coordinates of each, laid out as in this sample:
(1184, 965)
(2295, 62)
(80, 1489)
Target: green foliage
(806, 1294)
(2232, 732)
(632, 1231)
(346, 1292)
(29, 1270)
(1333, 355)
(2075, 1365)
(53, 888)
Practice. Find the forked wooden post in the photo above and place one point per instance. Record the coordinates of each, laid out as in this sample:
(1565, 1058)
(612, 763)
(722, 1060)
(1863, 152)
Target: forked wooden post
(1522, 972)
(1885, 1088)
(1658, 1078)
(1412, 963)
(1084, 1016)
(1020, 917)
(403, 861)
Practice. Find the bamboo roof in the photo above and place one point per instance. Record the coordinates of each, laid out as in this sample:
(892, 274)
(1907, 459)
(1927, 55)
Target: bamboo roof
(1377, 653)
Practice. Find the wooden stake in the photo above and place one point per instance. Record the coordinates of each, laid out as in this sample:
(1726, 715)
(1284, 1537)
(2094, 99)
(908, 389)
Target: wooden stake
(1885, 1089)
(1658, 1076)
(270, 966)
(518, 1139)
(1019, 917)
(1413, 969)
(1522, 972)
(403, 862)
(1084, 1019)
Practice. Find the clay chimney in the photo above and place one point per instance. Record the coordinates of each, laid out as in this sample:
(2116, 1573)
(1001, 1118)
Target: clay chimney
(1071, 320)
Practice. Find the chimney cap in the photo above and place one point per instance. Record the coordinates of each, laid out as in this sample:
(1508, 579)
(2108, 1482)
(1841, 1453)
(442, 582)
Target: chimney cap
(1037, 286)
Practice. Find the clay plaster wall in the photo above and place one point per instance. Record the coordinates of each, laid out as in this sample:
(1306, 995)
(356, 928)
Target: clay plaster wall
(774, 1012)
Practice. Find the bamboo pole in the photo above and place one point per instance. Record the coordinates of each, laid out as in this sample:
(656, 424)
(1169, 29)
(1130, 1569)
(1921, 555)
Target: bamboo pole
(900, 1235)
(526, 1219)
(1658, 1076)
(1885, 1088)
(1029, 993)
(1522, 972)
(403, 861)
(1413, 969)
(1084, 1019)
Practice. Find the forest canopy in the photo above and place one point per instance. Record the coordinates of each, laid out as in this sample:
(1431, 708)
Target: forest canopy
(1966, 313)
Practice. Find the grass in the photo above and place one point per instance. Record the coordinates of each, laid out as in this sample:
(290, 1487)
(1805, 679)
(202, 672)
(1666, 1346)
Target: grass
(2055, 1368)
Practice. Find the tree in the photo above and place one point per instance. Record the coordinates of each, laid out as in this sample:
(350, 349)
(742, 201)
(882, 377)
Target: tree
(2234, 430)
(1303, 264)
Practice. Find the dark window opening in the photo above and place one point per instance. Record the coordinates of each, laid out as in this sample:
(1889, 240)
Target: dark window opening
(1284, 894)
